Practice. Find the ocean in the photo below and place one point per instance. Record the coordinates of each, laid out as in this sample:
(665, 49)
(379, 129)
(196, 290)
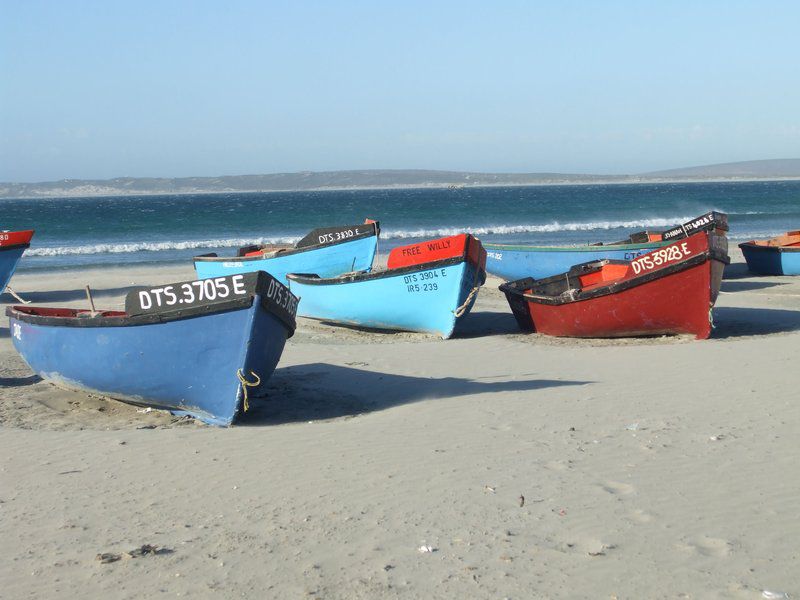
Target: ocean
(116, 231)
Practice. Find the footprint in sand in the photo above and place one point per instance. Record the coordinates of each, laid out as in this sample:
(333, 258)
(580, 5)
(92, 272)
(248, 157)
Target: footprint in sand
(555, 465)
(618, 489)
(588, 546)
(640, 516)
(708, 546)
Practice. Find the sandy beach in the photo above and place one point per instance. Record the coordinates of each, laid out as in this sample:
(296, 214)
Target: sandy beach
(394, 465)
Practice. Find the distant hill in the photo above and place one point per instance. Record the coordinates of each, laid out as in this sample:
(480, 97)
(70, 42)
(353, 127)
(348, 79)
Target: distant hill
(377, 179)
(779, 168)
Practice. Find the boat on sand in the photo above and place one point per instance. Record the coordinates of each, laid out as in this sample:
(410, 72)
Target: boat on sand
(668, 291)
(202, 348)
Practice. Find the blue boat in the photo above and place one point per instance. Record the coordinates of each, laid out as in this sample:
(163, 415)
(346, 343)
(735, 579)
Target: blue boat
(512, 262)
(202, 348)
(326, 252)
(775, 256)
(427, 287)
(12, 245)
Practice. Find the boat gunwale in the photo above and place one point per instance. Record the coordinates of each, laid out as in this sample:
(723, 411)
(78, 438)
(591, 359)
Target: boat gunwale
(754, 245)
(372, 275)
(292, 250)
(613, 287)
(127, 320)
(581, 248)
(144, 319)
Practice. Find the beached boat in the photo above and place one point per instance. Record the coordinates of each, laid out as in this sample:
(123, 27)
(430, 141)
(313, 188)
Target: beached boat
(328, 251)
(776, 256)
(513, 262)
(12, 245)
(668, 291)
(199, 348)
(427, 287)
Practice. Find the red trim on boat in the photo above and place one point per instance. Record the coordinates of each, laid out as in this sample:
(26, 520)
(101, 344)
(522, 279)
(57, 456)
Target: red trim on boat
(15, 238)
(461, 245)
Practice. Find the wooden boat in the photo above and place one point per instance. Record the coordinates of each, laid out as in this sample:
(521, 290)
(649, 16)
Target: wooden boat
(12, 245)
(513, 262)
(776, 256)
(199, 348)
(668, 291)
(328, 251)
(427, 287)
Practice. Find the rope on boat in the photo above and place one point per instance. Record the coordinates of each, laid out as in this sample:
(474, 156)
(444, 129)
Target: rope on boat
(463, 308)
(246, 384)
(17, 296)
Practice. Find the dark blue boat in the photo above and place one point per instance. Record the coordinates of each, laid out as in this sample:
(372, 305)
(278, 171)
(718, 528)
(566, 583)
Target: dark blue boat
(775, 256)
(201, 348)
(12, 245)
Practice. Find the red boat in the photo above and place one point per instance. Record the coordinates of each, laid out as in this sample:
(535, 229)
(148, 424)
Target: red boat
(668, 291)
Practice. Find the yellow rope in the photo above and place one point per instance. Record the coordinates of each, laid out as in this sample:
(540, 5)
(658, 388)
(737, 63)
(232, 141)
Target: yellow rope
(17, 296)
(246, 384)
(463, 308)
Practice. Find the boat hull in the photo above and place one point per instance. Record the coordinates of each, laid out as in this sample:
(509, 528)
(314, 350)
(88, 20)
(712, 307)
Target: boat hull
(427, 287)
(671, 291)
(12, 245)
(517, 262)
(423, 300)
(771, 260)
(9, 257)
(325, 260)
(675, 304)
(188, 365)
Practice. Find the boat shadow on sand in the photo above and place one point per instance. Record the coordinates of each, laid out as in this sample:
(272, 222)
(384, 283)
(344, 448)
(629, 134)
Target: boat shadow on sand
(485, 323)
(736, 271)
(19, 381)
(732, 322)
(476, 324)
(747, 286)
(319, 391)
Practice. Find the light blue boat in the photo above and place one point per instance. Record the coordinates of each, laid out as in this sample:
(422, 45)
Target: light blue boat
(776, 256)
(430, 287)
(326, 252)
(203, 348)
(12, 245)
(513, 262)
(518, 262)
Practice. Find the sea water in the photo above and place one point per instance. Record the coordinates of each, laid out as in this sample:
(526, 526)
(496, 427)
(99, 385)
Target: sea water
(108, 231)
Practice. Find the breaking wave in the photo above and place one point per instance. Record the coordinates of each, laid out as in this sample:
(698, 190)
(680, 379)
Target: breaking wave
(156, 246)
(386, 234)
(553, 227)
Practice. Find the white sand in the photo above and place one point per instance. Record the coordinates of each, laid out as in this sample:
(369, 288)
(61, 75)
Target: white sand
(656, 468)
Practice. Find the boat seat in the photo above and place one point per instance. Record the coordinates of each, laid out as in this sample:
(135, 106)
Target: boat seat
(268, 250)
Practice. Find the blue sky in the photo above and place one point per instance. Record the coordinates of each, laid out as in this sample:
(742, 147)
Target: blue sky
(104, 89)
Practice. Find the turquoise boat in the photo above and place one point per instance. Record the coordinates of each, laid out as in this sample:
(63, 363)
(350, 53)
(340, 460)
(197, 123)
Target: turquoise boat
(428, 287)
(513, 262)
(327, 252)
